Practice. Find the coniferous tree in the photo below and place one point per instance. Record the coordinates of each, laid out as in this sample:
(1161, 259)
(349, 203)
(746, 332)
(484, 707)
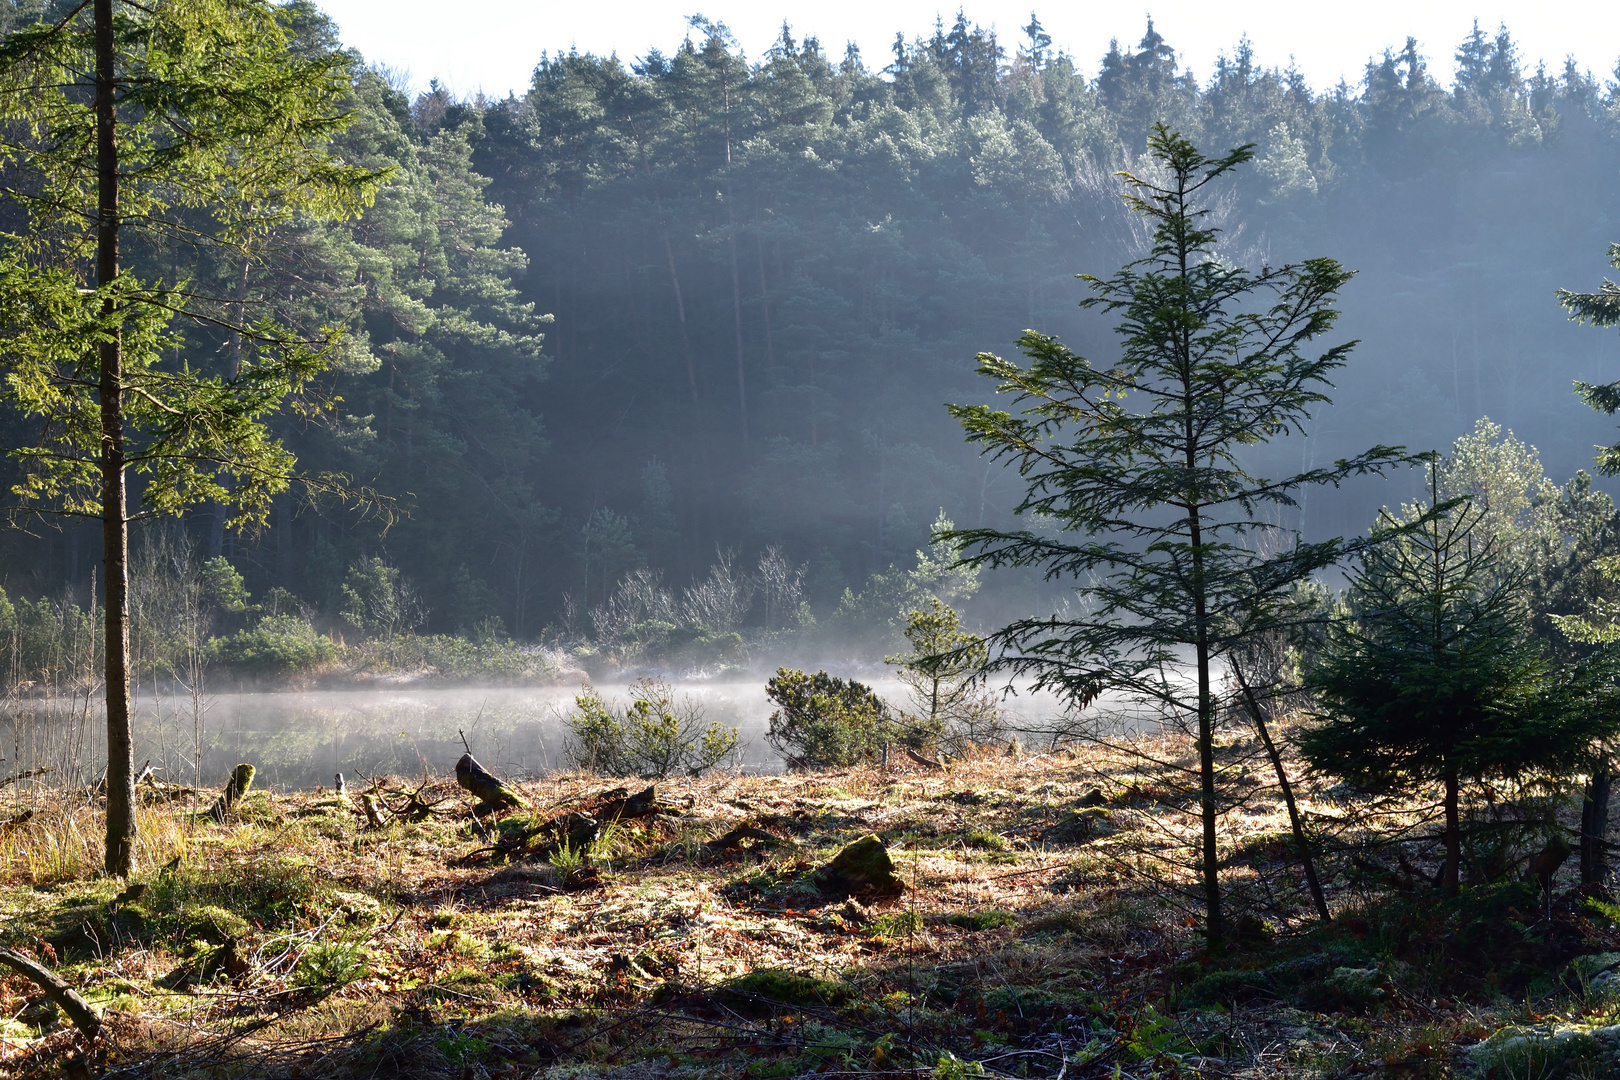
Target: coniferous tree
(176, 123)
(1432, 678)
(1138, 464)
(1600, 308)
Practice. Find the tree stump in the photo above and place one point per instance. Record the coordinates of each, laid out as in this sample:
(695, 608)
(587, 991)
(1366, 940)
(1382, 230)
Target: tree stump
(641, 804)
(861, 868)
(240, 784)
(492, 794)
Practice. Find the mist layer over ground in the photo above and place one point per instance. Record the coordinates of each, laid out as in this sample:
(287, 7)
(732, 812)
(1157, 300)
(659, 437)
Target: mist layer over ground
(297, 740)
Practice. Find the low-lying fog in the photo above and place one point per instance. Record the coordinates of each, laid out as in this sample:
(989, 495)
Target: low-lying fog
(298, 740)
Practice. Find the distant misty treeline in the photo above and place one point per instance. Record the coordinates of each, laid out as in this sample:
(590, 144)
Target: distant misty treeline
(765, 275)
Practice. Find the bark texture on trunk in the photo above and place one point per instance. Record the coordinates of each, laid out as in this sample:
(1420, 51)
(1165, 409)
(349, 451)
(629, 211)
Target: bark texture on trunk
(120, 858)
(1595, 823)
(1214, 927)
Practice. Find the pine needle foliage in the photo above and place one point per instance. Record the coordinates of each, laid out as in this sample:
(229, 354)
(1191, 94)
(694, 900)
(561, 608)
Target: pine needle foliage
(1600, 308)
(1139, 467)
(1434, 679)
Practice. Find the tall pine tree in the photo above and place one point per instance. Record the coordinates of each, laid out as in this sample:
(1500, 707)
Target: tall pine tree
(135, 129)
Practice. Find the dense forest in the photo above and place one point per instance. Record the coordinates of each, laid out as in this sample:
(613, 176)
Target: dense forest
(657, 311)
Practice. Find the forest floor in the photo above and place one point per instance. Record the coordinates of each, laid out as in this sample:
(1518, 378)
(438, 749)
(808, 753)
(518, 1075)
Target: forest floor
(1048, 928)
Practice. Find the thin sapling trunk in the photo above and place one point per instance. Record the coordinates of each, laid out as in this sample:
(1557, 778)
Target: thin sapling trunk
(1301, 844)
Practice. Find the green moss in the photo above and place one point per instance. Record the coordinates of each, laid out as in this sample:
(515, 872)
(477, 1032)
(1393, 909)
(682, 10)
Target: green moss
(210, 923)
(985, 840)
(262, 888)
(774, 986)
(897, 924)
(1550, 1053)
(863, 867)
(988, 919)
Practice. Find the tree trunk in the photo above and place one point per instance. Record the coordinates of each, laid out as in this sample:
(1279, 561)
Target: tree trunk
(764, 293)
(1300, 843)
(1214, 930)
(120, 856)
(680, 311)
(1450, 883)
(736, 287)
(1595, 823)
(736, 317)
(674, 275)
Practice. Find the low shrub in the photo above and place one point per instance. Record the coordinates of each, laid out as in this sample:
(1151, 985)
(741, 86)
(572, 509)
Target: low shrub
(442, 656)
(278, 645)
(652, 737)
(823, 722)
(330, 966)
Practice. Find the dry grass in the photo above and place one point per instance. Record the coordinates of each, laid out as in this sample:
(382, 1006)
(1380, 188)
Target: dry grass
(1029, 935)
(62, 841)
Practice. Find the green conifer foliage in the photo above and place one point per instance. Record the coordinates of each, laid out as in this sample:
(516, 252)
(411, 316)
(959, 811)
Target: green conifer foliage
(1136, 469)
(133, 130)
(1433, 678)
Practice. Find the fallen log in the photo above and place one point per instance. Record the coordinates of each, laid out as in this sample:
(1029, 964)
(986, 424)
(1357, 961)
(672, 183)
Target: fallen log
(25, 774)
(240, 784)
(492, 794)
(78, 1010)
(727, 841)
(15, 822)
(922, 760)
(154, 790)
(641, 804)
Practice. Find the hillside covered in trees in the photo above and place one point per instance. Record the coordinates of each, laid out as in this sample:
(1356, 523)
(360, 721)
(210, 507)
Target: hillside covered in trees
(694, 301)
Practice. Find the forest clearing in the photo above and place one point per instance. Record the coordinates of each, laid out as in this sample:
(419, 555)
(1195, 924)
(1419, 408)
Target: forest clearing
(420, 412)
(1044, 928)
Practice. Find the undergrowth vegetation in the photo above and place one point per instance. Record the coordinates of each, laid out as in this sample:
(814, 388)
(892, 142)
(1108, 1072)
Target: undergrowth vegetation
(1042, 925)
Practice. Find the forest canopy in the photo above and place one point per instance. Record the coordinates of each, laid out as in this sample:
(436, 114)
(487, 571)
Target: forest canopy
(659, 309)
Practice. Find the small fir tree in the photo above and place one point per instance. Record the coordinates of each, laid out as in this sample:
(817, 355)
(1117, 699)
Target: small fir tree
(1600, 308)
(1433, 679)
(1140, 466)
(942, 668)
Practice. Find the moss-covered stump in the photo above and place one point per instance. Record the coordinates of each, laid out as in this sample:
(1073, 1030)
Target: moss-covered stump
(374, 812)
(491, 793)
(862, 868)
(240, 784)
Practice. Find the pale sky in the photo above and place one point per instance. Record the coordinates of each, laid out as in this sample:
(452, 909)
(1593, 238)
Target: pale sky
(493, 45)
